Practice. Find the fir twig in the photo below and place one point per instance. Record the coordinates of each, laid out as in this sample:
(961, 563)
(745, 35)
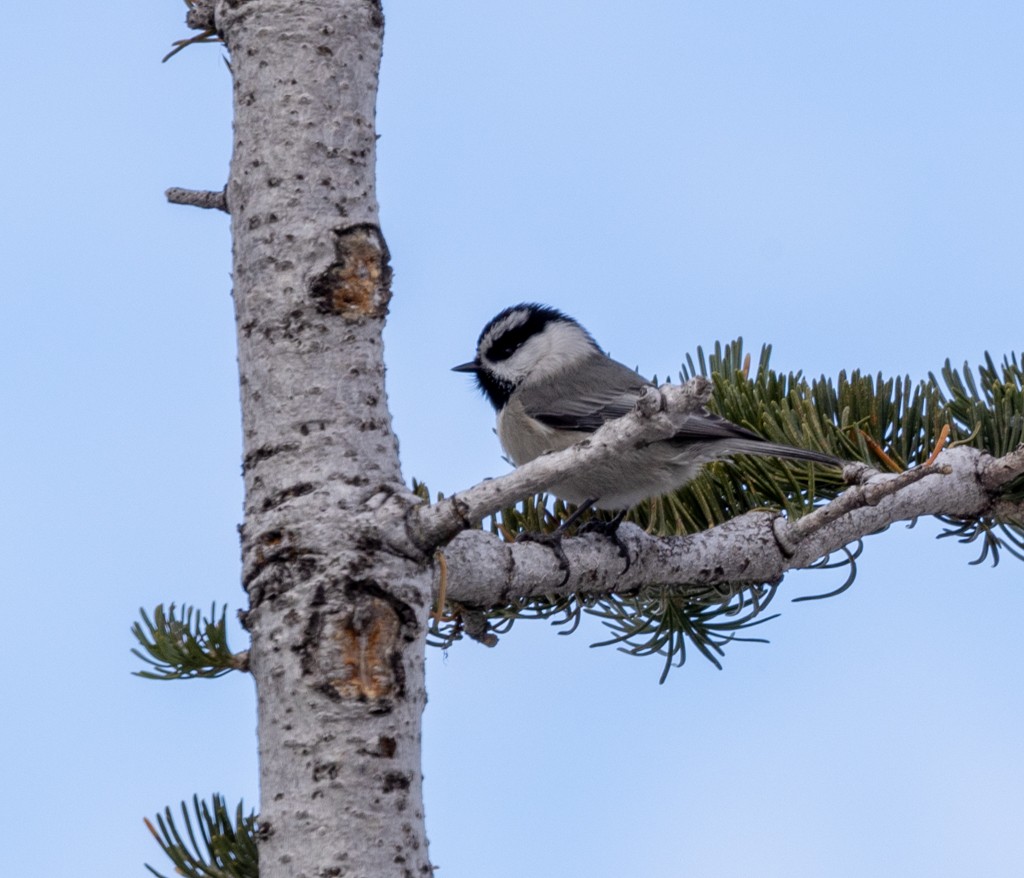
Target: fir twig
(185, 644)
(226, 847)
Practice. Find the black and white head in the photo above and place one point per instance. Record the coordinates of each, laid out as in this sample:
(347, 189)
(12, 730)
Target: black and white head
(524, 344)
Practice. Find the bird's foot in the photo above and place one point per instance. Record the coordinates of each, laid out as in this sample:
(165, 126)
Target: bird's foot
(553, 541)
(610, 529)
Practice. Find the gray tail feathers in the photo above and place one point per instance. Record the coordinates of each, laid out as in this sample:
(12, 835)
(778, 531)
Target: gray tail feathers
(770, 449)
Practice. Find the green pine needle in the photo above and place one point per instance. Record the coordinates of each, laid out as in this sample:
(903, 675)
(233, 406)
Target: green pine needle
(226, 847)
(185, 644)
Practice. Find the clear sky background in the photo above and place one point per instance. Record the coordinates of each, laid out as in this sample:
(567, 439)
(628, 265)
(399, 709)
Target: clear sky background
(844, 181)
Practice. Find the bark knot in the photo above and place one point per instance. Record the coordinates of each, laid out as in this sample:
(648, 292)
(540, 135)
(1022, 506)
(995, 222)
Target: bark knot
(358, 283)
(360, 659)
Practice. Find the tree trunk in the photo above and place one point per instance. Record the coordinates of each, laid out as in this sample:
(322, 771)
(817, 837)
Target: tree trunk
(337, 621)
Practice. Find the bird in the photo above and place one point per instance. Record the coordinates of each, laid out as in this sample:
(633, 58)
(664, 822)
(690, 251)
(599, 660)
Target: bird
(552, 386)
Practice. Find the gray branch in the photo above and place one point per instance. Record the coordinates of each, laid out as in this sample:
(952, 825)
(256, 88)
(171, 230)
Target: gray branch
(760, 546)
(198, 198)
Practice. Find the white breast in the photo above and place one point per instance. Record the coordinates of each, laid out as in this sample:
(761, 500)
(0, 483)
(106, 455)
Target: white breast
(524, 438)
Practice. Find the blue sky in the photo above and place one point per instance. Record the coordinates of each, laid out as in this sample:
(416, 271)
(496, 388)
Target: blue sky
(844, 181)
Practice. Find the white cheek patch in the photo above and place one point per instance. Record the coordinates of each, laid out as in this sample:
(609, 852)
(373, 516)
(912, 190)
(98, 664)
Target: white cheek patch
(558, 347)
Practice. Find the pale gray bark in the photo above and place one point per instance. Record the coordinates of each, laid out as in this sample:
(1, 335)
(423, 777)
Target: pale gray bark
(337, 625)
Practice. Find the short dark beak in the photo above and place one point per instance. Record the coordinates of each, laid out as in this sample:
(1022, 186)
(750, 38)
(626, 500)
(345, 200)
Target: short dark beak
(471, 366)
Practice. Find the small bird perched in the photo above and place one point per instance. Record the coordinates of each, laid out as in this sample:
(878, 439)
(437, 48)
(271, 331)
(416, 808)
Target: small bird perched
(552, 386)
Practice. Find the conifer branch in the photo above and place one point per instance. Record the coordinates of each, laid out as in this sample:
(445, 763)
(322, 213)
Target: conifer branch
(183, 645)
(225, 848)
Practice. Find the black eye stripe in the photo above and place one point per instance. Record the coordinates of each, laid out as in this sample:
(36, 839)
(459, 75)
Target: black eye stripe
(506, 344)
(509, 342)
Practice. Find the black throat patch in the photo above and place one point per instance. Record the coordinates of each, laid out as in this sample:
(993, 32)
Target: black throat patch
(496, 390)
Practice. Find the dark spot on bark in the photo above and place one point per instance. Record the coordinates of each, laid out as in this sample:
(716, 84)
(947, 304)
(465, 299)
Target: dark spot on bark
(324, 50)
(271, 537)
(265, 452)
(325, 770)
(368, 542)
(398, 670)
(328, 690)
(306, 648)
(286, 494)
(381, 707)
(395, 780)
(386, 747)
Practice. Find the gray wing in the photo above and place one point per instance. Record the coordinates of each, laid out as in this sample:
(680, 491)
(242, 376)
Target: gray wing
(586, 396)
(600, 390)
